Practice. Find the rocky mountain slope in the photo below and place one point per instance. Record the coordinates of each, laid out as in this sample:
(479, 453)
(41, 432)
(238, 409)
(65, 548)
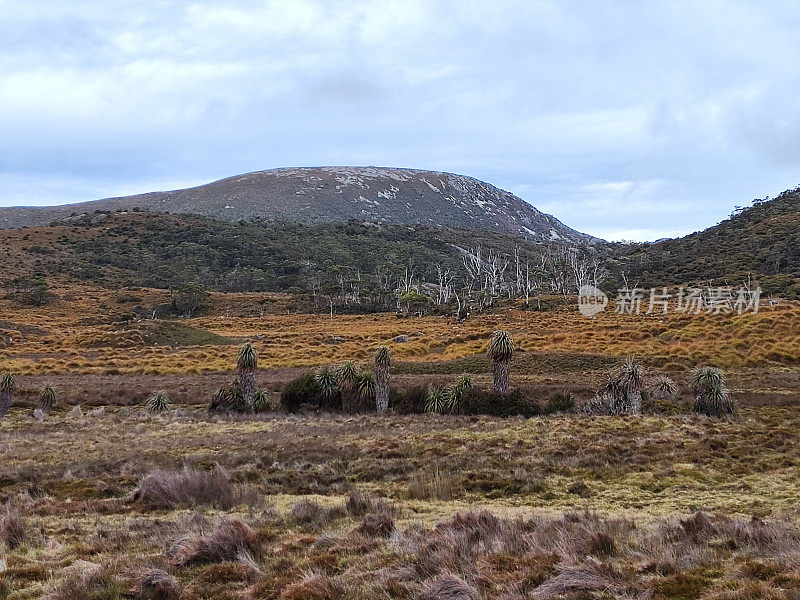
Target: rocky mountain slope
(333, 194)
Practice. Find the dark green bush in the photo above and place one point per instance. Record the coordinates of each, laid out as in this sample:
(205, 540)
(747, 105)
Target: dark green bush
(305, 392)
(560, 402)
(408, 401)
(495, 404)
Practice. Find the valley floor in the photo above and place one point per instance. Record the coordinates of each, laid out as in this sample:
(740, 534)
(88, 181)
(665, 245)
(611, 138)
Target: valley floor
(97, 504)
(582, 506)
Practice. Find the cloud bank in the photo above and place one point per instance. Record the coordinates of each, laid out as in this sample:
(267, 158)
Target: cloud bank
(626, 120)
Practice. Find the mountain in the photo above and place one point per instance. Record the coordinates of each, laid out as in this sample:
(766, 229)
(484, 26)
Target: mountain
(761, 241)
(334, 194)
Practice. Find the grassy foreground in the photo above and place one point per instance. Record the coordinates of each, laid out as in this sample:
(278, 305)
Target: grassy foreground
(577, 507)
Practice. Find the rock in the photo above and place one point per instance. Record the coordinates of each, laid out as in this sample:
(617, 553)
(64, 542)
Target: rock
(76, 412)
(98, 412)
(400, 339)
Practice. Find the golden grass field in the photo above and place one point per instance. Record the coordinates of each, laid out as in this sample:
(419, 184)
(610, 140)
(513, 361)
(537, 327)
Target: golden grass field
(333, 507)
(82, 333)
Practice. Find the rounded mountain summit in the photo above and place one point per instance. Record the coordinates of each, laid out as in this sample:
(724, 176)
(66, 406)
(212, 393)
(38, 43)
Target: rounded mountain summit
(329, 194)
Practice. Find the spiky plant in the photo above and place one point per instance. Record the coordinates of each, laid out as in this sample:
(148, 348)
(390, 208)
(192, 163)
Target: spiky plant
(158, 403)
(366, 386)
(7, 387)
(437, 400)
(246, 366)
(710, 395)
(328, 382)
(665, 388)
(347, 374)
(261, 401)
(631, 382)
(47, 398)
(622, 392)
(382, 363)
(461, 386)
(228, 399)
(500, 352)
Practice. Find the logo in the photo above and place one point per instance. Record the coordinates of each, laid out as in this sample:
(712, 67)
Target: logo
(591, 301)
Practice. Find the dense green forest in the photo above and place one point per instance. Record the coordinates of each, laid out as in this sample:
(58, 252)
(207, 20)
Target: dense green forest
(761, 242)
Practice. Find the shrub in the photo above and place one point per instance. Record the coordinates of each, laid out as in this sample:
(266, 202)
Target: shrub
(228, 541)
(312, 514)
(488, 402)
(315, 586)
(305, 391)
(357, 504)
(190, 487)
(408, 401)
(560, 402)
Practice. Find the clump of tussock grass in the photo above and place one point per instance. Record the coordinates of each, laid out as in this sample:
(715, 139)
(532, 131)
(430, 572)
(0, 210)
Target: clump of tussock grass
(13, 529)
(315, 586)
(435, 484)
(312, 514)
(376, 525)
(449, 587)
(188, 487)
(230, 539)
(358, 504)
(157, 584)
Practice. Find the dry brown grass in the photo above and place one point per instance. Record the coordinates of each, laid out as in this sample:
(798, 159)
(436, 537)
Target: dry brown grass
(82, 333)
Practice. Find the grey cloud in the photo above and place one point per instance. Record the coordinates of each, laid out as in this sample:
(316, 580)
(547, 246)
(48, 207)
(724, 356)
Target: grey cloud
(578, 107)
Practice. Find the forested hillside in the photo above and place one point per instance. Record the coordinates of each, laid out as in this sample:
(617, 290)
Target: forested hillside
(761, 241)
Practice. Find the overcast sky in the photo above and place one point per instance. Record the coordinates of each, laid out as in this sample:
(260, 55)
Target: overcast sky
(629, 120)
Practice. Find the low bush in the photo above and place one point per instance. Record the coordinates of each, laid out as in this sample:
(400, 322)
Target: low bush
(560, 402)
(434, 484)
(408, 401)
(305, 392)
(488, 402)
